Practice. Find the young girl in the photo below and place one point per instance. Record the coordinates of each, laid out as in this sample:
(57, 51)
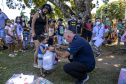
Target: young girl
(10, 38)
(42, 50)
(18, 32)
(51, 31)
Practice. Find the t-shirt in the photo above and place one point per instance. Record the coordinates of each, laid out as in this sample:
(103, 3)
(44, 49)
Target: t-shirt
(72, 25)
(82, 52)
(60, 30)
(19, 29)
(100, 31)
(51, 31)
(88, 26)
(121, 24)
(3, 17)
(40, 52)
(10, 31)
(79, 26)
(108, 24)
(25, 35)
(23, 24)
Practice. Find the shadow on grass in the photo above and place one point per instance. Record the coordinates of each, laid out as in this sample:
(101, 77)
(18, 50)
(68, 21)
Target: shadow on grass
(23, 64)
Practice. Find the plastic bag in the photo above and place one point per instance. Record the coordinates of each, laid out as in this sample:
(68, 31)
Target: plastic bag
(123, 38)
(50, 60)
(122, 76)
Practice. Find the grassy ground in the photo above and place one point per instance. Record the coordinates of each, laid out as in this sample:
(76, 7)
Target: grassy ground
(23, 64)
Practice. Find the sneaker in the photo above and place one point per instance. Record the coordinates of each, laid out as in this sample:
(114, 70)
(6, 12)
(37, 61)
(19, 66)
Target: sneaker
(86, 79)
(5, 47)
(82, 81)
(15, 54)
(35, 65)
(11, 55)
(98, 55)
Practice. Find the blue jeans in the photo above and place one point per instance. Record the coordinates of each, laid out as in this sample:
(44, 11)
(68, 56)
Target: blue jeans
(25, 42)
(2, 33)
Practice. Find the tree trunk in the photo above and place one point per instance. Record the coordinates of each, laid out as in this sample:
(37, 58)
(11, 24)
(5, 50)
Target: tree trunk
(83, 8)
(65, 9)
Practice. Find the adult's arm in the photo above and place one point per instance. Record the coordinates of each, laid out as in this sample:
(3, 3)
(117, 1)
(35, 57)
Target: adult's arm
(33, 23)
(106, 34)
(47, 28)
(93, 35)
(63, 54)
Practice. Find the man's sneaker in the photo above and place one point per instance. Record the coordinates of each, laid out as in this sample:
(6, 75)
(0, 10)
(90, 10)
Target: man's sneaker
(98, 55)
(82, 81)
(15, 54)
(85, 79)
(11, 55)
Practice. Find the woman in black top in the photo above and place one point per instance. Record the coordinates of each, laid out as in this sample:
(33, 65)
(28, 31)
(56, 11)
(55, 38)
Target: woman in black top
(40, 26)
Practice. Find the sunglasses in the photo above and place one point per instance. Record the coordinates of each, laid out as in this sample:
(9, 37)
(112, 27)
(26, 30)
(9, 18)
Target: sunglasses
(47, 7)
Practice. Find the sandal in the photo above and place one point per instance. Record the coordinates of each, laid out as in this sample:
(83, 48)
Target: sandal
(46, 72)
(42, 75)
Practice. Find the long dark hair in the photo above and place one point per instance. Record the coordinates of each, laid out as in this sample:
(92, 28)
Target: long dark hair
(17, 18)
(47, 6)
(23, 21)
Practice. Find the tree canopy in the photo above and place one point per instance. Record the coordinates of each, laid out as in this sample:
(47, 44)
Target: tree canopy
(115, 10)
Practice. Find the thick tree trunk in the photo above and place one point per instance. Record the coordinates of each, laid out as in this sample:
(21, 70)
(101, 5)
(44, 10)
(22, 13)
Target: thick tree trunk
(83, 8)
(63, 7)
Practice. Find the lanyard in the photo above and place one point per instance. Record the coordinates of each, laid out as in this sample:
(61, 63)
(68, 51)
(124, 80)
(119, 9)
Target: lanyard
(99, 28)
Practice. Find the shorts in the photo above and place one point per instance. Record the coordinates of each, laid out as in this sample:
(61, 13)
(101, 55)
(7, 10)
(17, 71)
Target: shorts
(38, 32)
(2, 33)
(9, 40)
(60, 40)
(50, 41)
(19, 37)
(119, 35)
(40, 60)
(89, 33)
(25, 43)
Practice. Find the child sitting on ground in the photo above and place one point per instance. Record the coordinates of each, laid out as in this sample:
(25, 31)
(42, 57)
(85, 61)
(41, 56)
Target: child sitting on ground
(10, 38)
(42, 50)
(25, 39)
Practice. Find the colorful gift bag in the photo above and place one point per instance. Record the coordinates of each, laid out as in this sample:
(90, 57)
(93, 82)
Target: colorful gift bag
(122, 76)
(41, 80)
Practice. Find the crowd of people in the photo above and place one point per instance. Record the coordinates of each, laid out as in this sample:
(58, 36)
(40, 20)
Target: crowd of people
(40, 31)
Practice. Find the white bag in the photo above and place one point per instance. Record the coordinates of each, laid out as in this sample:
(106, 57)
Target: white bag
(122, 76)
(50, 60)
(123, 38)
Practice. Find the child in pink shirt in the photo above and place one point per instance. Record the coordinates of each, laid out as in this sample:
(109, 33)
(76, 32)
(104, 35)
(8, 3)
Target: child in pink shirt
(9, 38)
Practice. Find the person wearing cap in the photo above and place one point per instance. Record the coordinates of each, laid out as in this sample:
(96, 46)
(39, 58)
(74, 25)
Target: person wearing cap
(40, 26)
(83, 57)
(3, 17)
(51, 31)
(72, 24)
(60, 32)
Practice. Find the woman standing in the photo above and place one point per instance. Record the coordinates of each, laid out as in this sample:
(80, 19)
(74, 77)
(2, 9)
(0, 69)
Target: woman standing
(40, 26)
